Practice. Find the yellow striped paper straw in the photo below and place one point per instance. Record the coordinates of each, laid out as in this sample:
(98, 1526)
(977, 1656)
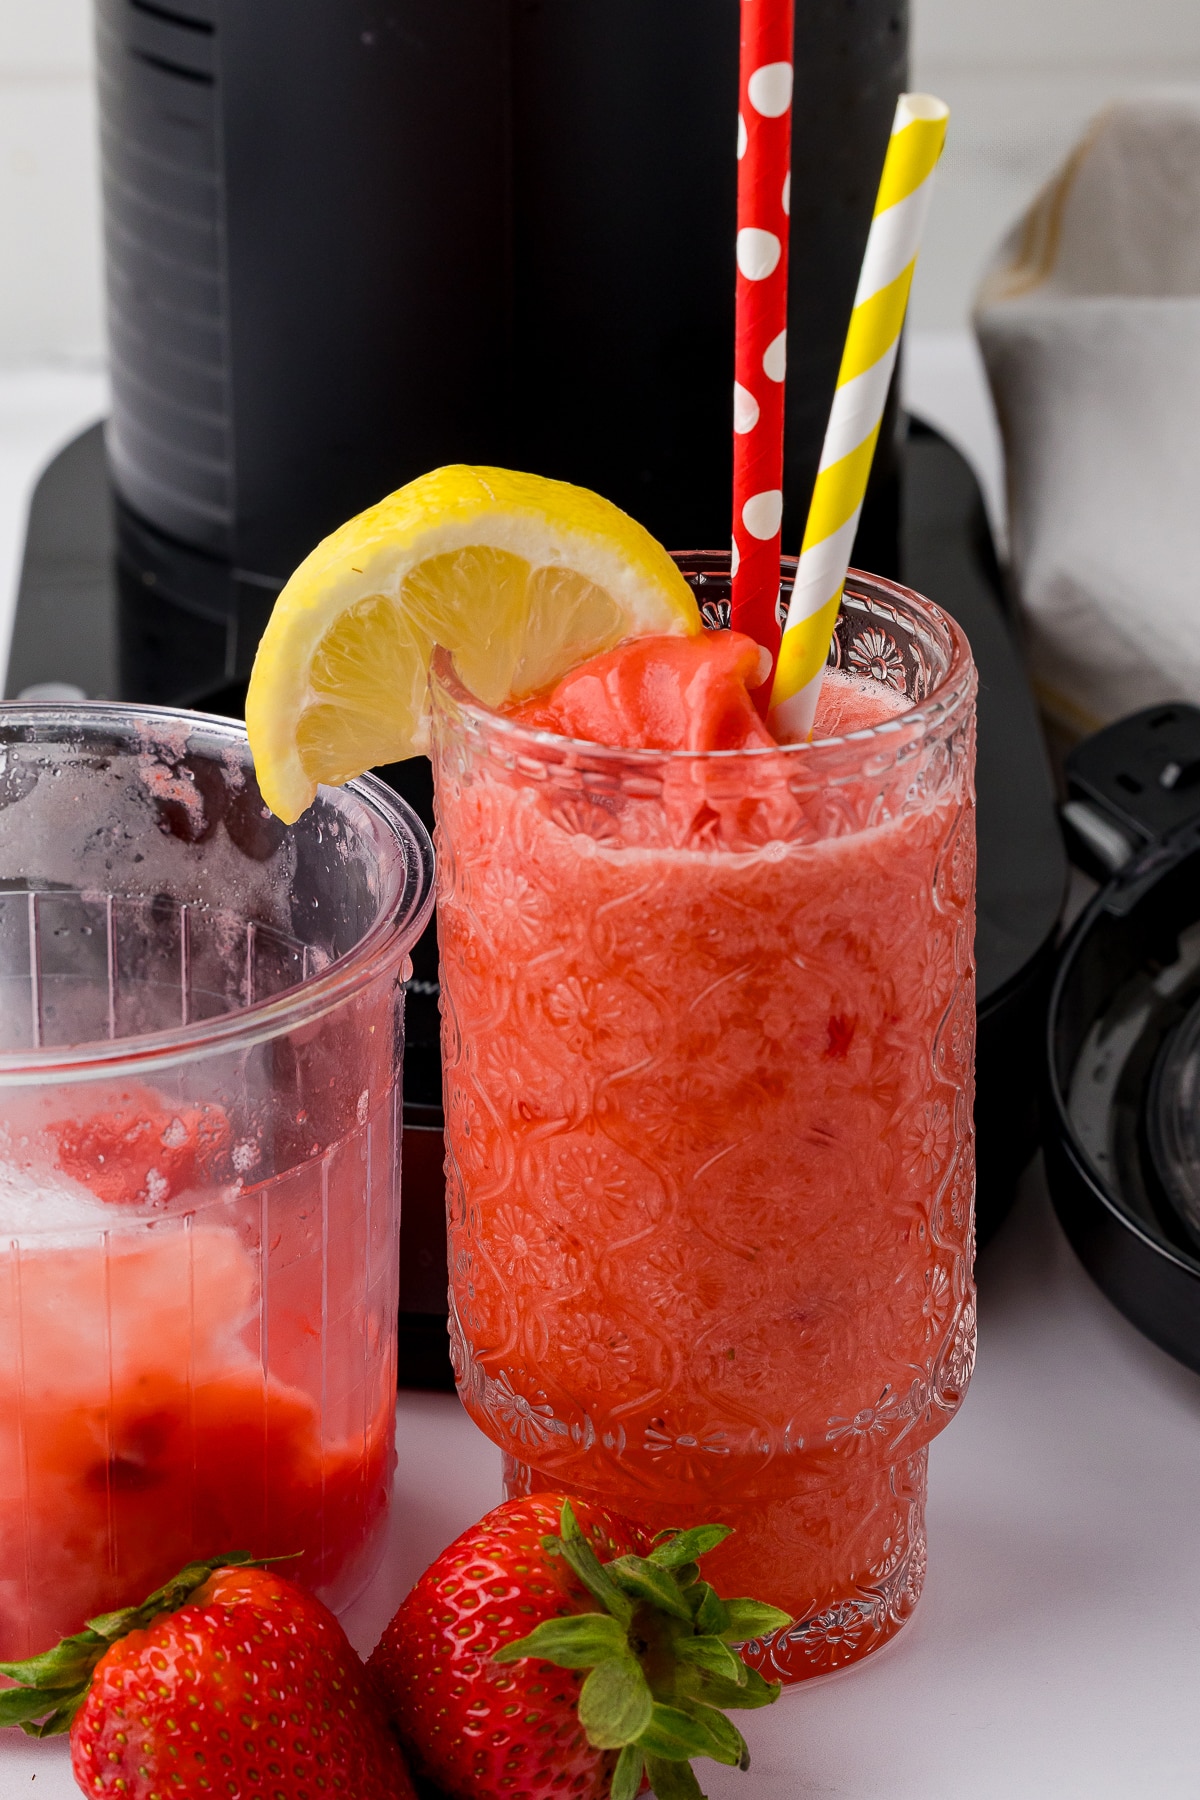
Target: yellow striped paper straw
(918, 133)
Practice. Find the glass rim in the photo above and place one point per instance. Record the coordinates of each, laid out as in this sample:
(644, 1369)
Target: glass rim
(404, 907)
(955, 687)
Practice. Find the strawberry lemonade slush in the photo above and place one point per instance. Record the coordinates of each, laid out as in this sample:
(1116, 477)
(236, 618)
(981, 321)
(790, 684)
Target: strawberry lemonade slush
(708, 1034)
(171, 1383)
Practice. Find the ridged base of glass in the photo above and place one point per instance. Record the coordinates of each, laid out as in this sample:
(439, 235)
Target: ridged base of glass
(846, 1560)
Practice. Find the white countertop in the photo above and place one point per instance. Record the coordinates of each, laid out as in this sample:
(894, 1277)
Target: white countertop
(1056, 1652)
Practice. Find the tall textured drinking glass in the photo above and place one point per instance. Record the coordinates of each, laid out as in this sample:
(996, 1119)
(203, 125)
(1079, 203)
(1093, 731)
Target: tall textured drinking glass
(708, 1034)
(201, 1028)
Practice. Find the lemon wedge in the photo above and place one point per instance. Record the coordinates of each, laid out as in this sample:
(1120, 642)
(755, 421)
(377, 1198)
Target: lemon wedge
(520, 578)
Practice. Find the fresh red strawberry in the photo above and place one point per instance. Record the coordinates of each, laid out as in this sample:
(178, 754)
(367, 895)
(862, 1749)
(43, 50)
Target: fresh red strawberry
(140, 1151)
(228, 1683)
(483, 1667)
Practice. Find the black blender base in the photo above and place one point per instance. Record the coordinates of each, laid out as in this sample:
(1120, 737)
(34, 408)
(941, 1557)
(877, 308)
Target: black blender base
(121, 613)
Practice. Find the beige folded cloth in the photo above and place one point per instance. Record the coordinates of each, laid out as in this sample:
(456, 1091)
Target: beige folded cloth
(1089, 323)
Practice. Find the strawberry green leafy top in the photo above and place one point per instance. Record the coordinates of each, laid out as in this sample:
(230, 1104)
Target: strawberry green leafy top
(660, 1651)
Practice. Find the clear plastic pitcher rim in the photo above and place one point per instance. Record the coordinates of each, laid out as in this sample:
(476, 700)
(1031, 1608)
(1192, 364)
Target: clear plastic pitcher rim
(405, 904)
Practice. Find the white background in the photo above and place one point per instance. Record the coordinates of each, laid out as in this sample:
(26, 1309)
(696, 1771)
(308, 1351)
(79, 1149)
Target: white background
(50, 300)
(1022, 79)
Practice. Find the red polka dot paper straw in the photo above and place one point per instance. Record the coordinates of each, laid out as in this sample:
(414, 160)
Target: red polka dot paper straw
(764, 181)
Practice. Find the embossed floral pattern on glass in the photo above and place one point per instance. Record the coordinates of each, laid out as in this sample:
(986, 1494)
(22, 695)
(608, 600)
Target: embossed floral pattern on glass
(708, 1037)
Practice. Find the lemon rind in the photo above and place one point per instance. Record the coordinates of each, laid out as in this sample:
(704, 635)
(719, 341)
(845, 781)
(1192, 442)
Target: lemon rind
(549, 524)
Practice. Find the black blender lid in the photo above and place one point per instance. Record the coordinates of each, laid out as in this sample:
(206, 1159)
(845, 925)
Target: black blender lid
(1123, 1109)
(1173, 1119)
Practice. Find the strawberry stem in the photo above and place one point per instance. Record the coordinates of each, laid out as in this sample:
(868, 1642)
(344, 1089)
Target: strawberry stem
(662, 1659)
(53, 1686)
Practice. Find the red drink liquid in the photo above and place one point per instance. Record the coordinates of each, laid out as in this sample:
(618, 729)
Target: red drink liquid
(708, 1040)
(182, 1367)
